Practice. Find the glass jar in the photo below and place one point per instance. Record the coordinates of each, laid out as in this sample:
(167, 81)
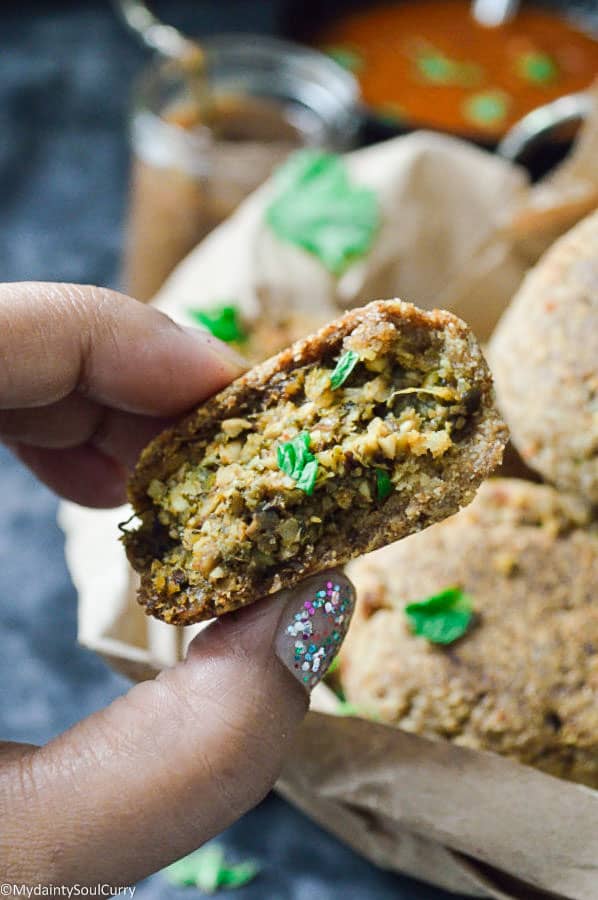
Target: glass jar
(200, 147)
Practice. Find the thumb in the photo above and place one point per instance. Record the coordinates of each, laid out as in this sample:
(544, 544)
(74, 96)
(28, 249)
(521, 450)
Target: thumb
(177, 759)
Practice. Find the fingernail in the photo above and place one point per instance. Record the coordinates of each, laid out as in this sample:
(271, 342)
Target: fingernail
(313, 626)
(224, 351)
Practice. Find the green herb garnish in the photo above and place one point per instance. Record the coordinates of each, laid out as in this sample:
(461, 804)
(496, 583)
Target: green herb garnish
(383, 484)
(539, 68)
(307, 480)
(223, 322)
(433, 66)
(343, 368)
(207, 869)
(319, 209)
(442, 618)
(293, 456)
(298, 463)
(436, 68)
(487, 108)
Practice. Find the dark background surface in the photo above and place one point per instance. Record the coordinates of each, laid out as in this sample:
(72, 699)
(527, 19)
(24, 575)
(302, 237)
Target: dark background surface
(65, 75)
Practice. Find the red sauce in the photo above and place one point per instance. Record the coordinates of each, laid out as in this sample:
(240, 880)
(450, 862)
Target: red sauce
(430, 63)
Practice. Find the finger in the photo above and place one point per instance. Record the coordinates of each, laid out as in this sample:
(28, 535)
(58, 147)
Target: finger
(179, 758)
(94, 473)
(55, 338)
(79, 456)
(83, 474)
(81, 451)
(77, 420)
(66, 423)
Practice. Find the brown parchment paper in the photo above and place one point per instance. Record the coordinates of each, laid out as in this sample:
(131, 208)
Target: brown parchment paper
(470, 822)
(442, 241)
(460, 227)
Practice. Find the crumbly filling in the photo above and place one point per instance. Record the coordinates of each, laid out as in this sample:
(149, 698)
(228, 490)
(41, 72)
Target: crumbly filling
(232, 509)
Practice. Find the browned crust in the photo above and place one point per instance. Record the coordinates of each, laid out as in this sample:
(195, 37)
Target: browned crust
(544, 356)
(480, 453)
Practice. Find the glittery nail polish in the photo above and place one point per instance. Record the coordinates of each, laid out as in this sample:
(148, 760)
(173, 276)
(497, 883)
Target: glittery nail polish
(313, 625)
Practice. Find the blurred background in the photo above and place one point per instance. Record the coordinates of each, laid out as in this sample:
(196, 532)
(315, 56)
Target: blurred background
(69, 141)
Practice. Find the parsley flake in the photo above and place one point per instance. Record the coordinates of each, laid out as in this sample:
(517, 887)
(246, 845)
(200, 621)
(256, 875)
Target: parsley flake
(223, 322)
(539, 68)
(293, 455)
(318, 209)
(383, 484)
(343, 368)
(298, 463)
(207, 870)
(443, 617)
(433, 66)
(307, 480)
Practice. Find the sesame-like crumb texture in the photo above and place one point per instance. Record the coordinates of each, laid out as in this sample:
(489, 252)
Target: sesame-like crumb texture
(222, 525)
(544, 357)
(523, 681)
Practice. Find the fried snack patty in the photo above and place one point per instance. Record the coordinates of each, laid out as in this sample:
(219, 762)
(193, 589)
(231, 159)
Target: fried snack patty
(523, 681)
(402, 443)
(544, 358)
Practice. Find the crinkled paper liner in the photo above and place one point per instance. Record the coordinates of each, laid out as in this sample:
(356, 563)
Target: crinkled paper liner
(454, 234)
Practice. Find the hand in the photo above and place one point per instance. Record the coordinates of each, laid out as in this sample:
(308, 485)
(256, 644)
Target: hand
(87, 377)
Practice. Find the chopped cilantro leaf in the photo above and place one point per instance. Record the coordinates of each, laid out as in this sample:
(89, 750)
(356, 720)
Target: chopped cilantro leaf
(223, 322)
(487, 108)
(441, 618)
(307, 479)
(539, 68)
(293, 455)
(436, 67)
(207, 870)
(343, 368)
(298, 463)
(383, 484)
(318, 209)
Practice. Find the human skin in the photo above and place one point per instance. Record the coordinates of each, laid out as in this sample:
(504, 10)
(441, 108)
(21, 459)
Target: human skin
(87, 377)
